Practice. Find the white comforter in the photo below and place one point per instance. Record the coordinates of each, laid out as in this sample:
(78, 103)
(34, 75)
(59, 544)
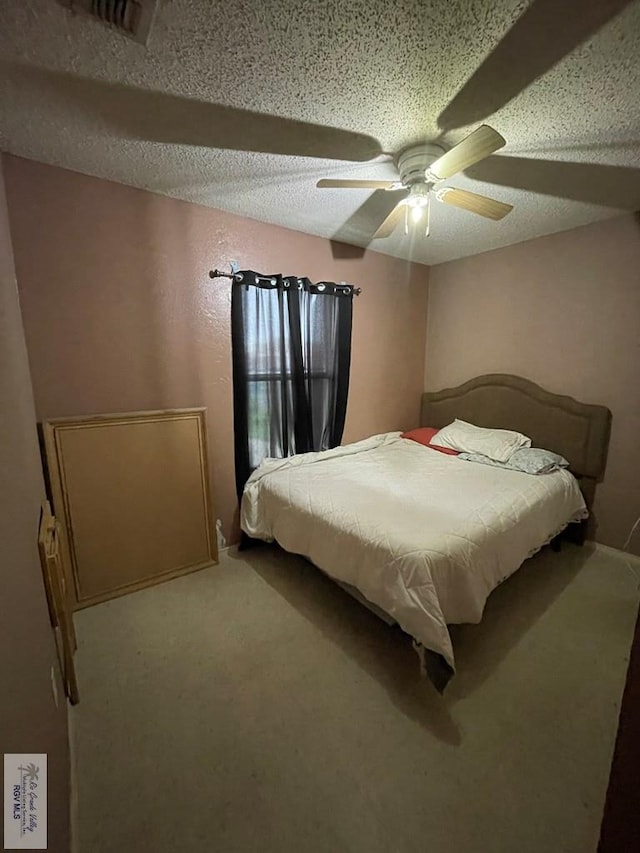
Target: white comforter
(424, 536)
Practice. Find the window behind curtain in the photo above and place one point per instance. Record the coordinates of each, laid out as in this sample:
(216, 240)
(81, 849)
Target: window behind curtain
(291, 357)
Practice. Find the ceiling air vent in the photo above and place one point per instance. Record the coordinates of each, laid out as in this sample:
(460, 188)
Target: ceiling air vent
(133, 18)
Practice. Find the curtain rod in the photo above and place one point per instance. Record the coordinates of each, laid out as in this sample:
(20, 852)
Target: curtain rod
(221, 274)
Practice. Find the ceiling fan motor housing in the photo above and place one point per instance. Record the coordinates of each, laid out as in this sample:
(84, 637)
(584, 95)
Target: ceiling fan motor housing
(413, 163)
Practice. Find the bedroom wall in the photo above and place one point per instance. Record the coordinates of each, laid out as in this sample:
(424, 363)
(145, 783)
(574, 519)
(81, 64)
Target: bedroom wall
(29, 719)
(120, 313)
(563, 311)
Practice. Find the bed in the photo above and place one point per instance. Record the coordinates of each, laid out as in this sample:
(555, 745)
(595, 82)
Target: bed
(423, 538)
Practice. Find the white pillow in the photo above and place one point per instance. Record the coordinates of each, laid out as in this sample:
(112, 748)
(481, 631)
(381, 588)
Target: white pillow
(497, 444)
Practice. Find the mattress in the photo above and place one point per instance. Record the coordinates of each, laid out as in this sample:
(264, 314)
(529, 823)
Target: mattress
(424, 536)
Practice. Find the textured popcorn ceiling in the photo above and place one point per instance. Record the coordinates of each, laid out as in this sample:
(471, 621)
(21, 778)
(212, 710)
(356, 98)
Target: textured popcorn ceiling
(185, 114)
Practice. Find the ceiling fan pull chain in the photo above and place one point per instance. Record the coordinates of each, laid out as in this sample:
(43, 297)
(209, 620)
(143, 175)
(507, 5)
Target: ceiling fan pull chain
(406, 219)
(428, 206)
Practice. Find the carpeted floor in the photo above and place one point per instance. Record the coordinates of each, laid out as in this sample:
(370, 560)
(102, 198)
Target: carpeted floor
(255, 706)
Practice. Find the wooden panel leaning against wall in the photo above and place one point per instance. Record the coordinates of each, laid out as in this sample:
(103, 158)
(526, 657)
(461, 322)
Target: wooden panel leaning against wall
(132, 493)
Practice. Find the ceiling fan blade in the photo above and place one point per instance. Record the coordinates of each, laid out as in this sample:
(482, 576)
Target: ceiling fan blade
(545, 33)
(390, 224)
(592, 183)
(358, 228)
(474, 203)
(478, 145)
(360, 185)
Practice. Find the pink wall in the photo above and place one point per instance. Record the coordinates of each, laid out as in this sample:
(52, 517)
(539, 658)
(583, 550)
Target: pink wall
(120, 313)
(29, 718)
(563, 311)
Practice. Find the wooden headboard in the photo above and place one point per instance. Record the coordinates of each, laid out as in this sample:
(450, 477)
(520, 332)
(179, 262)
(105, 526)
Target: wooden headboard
(578, 431)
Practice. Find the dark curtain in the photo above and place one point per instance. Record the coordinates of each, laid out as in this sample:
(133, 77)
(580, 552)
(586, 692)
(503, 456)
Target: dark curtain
(291, 356)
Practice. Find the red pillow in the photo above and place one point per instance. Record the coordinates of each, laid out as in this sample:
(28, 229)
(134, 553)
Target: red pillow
(423, 435)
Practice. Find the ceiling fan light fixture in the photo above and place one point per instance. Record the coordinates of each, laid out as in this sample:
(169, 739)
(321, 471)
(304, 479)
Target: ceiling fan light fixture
(418, 196)
(417, 204)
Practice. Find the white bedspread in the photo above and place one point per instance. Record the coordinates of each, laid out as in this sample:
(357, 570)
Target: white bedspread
(424, 536)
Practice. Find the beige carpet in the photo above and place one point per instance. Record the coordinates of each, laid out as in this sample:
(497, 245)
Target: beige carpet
(256, 707)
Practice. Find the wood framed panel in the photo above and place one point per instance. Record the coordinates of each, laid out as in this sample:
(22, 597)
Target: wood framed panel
(133, 493)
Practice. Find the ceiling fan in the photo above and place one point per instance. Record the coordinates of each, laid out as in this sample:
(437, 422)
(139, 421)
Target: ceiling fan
(421, 169)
